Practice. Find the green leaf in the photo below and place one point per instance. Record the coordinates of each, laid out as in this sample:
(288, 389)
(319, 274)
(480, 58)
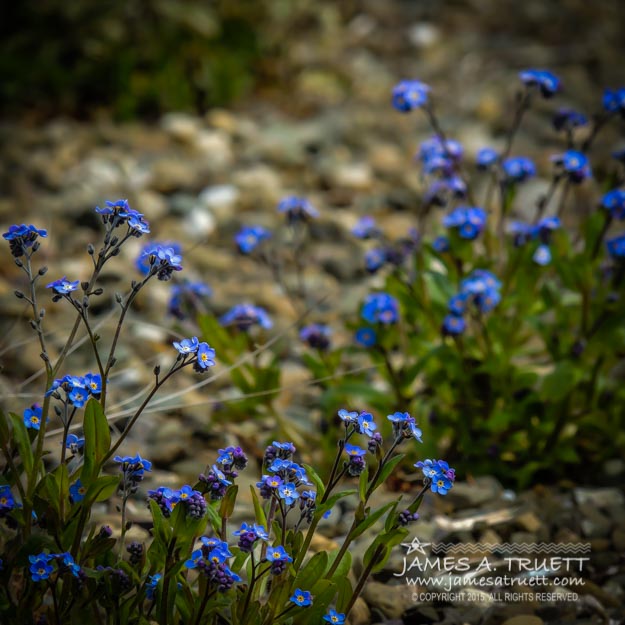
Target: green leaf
(318, 482)
(386, 542)
(97, 440)
(371, 519)
(560, 382)
(312, 571)
(259, 513)
(5, 432)
(344, 593)
(322, 509)
(102, 488)
(386, 470)
(20, 434)
(213, 517)
(227, 503)
(344, 566)
(362, 483)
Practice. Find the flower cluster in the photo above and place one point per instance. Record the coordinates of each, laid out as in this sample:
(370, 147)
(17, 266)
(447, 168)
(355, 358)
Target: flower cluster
(249, 534)
(438, 475)
(380, 308)
(250, 237)
(167, 499)
(133, 469)
(184, 298)
(115, 214)
(279, 558)
(316, 335)
(540, 231)
(469, 221)
(404, 426)
(244, 316)
(442, 158)
(23, 238)
(614, 101)
(614, 203)
(573, 164)
(42, 565)
(200, 354)
(297, 209)
(211, 561)
(479, 291)
(162, 261)
(7, 502)
(546, 82)
(409, 95)
(143, 261)
(366, 228)
(77, 389)
(518, 169)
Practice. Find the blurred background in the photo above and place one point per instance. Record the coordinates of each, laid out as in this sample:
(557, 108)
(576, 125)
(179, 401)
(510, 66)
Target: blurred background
(205, 113)
(138, 59)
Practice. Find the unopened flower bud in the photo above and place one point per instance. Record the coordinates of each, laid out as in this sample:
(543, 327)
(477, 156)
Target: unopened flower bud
(42, 271)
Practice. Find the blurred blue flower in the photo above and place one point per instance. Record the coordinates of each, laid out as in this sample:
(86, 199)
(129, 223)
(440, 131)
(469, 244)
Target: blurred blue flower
(441, 244)
(316, 335)
(366, 228)
(547, 82)
(568, 119)
(468, 220)
(542, 255)
(249, 237)
(614, 100)
(616, 246)
(486, 157)
(574, 164)
(142, 262)
(518, 168)
(409, 95)
(297, 208)
(366, 337)
(380, 308)
(614, 202)
(244, 316)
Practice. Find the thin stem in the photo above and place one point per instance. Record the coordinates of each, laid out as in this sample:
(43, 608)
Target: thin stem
(363, 578)
(137, 414)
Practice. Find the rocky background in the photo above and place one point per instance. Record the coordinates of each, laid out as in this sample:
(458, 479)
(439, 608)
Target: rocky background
(300, 104)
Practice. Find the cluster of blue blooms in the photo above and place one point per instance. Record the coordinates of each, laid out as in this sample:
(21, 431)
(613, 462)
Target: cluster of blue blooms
(316, 335)
(41, 565)
(250, 237)
(469, 221)
(167, 499)
(380, 308)
(479, 292)
(244, 316)
(297, 209)
(541, 232)
(192, 351)
(185, 296)
(77, 389)
(142, 262)
(210, 560)
(23, 238)
(217, 479)
(439, 475)
(115, 214)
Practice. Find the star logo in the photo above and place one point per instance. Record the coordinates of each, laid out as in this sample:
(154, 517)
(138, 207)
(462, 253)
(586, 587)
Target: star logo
(415, 545)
